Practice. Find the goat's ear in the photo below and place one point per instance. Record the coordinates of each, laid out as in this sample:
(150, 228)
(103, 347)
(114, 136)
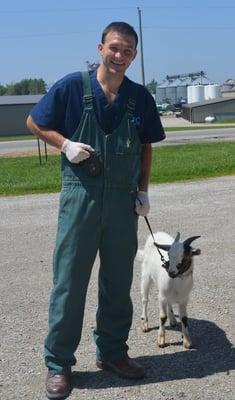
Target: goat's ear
(196, 252)
(165, 247)
(177, 238)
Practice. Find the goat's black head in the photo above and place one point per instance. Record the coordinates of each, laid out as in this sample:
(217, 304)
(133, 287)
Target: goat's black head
(180, 255)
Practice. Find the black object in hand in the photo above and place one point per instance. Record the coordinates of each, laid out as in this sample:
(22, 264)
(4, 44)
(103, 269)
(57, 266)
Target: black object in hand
(92, 166)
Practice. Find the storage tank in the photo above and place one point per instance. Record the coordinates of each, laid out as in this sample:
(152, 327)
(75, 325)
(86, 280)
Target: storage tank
(213, 91)
(171, 93)
(197, 93)
(160, 95)
(181, 92)
(207, 92)
(189, 94)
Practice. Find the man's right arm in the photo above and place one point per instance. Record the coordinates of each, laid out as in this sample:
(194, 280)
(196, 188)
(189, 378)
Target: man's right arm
(74, 151)
(48, 135)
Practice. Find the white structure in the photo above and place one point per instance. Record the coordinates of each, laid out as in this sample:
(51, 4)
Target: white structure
(212, 91)
(195, 93)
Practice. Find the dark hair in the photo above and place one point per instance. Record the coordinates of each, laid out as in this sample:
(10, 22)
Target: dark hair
(120, 27)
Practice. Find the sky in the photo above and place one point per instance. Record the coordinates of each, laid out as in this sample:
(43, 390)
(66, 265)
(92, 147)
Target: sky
(52, 38)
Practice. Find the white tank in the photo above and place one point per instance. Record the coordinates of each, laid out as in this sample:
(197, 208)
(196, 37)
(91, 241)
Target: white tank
(197, 93)
(189, 94)
(213, 91)
(207, 92)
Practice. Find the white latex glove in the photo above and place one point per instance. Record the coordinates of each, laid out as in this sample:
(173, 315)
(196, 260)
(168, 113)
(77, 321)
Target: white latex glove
(142, 205)
(75, 151)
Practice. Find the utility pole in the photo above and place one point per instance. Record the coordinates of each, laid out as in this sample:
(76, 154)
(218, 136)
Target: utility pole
(141, 47)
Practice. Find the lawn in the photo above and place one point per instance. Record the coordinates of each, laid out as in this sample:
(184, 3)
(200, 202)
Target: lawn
(24, 175)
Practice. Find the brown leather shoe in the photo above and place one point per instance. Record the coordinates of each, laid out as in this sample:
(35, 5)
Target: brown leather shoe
(57, 386)
(126, 368)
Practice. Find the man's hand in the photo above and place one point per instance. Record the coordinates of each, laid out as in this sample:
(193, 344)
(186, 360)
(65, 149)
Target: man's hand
(75, 151)
(142, 205)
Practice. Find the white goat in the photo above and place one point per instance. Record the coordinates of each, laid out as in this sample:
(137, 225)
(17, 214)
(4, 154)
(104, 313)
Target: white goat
(174, 278)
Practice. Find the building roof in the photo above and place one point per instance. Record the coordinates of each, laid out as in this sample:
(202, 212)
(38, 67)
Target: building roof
(23, 99)
(207, 102)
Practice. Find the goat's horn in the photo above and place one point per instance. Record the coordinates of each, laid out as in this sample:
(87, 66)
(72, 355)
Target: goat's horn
(177, 237)
(188, 241)
(165, 247)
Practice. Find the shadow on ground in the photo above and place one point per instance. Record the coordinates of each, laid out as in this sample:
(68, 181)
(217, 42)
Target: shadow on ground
(213, 353)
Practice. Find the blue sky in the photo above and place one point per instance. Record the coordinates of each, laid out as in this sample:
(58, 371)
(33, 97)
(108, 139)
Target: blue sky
(51, 38)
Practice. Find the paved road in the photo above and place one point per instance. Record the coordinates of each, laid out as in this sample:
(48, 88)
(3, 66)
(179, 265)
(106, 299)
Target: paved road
(27, 229)
(177, 137)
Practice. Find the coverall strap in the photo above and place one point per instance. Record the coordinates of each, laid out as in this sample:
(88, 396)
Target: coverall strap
(131, 102)
(87, 93)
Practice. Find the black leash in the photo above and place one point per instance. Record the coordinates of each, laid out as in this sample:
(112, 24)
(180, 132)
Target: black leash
(155, 244)
(164, 262)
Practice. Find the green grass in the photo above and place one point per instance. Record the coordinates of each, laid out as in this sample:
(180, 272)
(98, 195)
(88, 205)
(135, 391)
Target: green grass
(17, 137)
(24, 175)
(196, 128)
(195, 161)
(222, 124)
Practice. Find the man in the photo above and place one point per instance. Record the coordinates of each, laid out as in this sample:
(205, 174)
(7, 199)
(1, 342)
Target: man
(104, 125)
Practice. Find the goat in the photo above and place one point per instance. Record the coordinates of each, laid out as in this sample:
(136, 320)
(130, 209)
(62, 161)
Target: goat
(174, 278)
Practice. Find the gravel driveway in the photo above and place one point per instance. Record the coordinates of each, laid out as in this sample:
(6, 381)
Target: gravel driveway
(27, 230)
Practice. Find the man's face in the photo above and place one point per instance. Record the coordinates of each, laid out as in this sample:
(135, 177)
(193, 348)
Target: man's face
(117, 52)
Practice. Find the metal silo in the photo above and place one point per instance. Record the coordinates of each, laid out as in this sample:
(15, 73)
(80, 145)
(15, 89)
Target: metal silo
(160, 95)
(207, 92)
(171, 94)
(190, 94)
(214, 91)
(197, 94)
(181, 92)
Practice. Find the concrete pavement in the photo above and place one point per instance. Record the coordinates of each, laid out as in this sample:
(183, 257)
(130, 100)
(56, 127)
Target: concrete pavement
(27, 230)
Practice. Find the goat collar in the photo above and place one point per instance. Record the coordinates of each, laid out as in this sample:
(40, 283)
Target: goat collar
(183, 267)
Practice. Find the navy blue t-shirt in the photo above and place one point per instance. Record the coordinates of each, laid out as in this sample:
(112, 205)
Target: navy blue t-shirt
(61, 108)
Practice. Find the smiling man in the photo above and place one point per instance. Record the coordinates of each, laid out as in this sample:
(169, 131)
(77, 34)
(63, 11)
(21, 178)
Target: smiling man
(104, 125)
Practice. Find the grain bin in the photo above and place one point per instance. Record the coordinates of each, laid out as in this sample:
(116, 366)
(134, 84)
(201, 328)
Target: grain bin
(181, 92)
(195, 93)
(171, 93)
(214, 91)
(160, 95)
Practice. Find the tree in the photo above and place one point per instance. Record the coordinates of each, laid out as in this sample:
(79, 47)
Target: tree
(2, 90)
(25, 86)
(152, 86)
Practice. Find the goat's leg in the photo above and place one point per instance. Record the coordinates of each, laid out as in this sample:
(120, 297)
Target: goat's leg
(187, 343)
(162, 321)
(145, 286)
(170, 315)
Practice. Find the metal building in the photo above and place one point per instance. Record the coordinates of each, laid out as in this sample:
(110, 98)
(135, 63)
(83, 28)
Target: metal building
(13, 113)
(221, 108)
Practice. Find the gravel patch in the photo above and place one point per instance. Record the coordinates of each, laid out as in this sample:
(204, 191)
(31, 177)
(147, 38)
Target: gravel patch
(27, 232)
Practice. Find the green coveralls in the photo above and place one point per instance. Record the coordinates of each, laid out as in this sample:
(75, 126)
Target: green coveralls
(96, 213)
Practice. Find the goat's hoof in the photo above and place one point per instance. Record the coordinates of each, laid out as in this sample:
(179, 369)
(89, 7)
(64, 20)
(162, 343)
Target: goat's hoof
(161, 342)
(144, 326)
